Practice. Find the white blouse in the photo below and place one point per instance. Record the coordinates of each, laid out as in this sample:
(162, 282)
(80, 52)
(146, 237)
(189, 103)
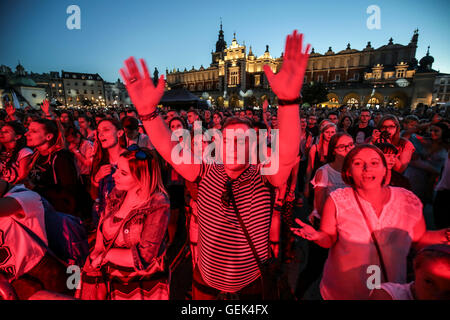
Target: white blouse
(346, 274)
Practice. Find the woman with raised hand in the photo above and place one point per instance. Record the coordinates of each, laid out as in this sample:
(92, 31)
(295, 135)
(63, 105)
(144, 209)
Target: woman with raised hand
(367, 226)
(15, 157)
(131, 236)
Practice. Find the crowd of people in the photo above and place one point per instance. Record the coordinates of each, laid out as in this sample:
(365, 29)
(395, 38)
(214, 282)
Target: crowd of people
(363, 176)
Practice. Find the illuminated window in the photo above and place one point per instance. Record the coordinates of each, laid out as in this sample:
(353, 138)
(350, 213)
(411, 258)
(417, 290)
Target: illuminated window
(257, 80)
(234, 77)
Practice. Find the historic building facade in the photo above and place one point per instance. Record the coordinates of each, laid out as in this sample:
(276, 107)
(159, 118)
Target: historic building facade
(388, 75)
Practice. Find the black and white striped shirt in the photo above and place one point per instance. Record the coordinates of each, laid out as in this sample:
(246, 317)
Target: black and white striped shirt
(226, 261)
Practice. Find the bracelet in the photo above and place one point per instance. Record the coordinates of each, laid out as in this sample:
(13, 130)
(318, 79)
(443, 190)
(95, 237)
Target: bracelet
(289, 102)
(150, 116)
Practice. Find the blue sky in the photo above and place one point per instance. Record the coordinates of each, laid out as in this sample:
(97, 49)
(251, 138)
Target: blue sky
(179, 34)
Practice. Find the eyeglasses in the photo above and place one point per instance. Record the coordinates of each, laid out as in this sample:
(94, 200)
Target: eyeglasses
(388, 127)
(345, 147)
(227, 194)
(140, 154)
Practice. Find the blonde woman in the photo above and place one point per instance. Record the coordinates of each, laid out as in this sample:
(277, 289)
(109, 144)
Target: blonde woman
(131, 237)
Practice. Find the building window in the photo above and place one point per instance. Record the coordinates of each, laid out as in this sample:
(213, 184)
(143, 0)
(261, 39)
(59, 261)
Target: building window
(401, 73)
(84, 84)
(59, 85)
(337, 77)
(78, 91)
(92, 91)
(99, 91)
(257, 80)
(356, 76)
(320, 78)
(85, 91)
(76, 83)
(234, 77)
(53, 85)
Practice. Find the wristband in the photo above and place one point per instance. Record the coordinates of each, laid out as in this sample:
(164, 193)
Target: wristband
(289, 102)
(150, 116)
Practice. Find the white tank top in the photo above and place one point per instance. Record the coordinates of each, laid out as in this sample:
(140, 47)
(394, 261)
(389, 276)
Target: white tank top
(346, 273)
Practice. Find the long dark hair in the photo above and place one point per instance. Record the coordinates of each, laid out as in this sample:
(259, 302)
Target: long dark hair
(332, 145)
(21, 143)
(101, 156)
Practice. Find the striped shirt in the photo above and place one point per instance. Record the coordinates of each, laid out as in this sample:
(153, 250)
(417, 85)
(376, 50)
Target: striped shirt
(226, 261)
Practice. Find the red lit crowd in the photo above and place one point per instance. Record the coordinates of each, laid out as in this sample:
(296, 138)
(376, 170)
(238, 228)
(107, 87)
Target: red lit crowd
(363, 192)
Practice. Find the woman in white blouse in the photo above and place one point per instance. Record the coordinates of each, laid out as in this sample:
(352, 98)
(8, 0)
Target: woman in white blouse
(394, 216)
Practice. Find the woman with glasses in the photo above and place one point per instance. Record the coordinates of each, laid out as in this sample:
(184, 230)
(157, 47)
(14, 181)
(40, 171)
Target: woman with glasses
(388, 130)
(369, 228)
(130, 245)
(327, 179)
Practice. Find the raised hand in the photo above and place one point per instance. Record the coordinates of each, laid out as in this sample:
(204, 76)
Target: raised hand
(46, 107)
(265, 105)
(144, 95)
(287, 83)
(306, 231)
(10, 110)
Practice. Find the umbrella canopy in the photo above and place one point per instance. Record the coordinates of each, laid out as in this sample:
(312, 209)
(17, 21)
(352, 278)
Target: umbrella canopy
(181, 98)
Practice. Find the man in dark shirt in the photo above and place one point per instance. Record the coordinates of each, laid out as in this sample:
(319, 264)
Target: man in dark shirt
(362, 130)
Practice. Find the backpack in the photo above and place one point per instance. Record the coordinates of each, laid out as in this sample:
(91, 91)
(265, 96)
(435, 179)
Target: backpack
(66, 235)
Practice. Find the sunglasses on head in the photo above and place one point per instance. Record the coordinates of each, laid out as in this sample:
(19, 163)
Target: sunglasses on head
(140, 154)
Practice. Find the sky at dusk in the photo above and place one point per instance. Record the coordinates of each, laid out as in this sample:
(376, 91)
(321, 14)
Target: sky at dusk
(182, 34)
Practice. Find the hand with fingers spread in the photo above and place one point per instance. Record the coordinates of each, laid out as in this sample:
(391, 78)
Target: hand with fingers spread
(46, 107)
(144, 95)
(287, 83)
(10, 110)
(306, 231)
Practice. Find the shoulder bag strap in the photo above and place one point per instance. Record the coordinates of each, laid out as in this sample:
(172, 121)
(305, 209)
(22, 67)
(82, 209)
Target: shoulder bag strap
(374, 239)
(247, 235)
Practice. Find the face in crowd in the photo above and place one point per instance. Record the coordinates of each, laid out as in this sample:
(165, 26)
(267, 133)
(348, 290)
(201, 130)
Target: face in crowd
(364, 117)
(192, 117)
(108, 134)
(83, 123)
(312, 121)
(328, 133)
(435, 133)
(171, 114)
(333, 118)
(432, 279)
(343, 146)
(367, 169)
(217, 119)
(242, 143)
(8, 135)
(390, 127)
(346, 123)
(64, 118)
(37, 135)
